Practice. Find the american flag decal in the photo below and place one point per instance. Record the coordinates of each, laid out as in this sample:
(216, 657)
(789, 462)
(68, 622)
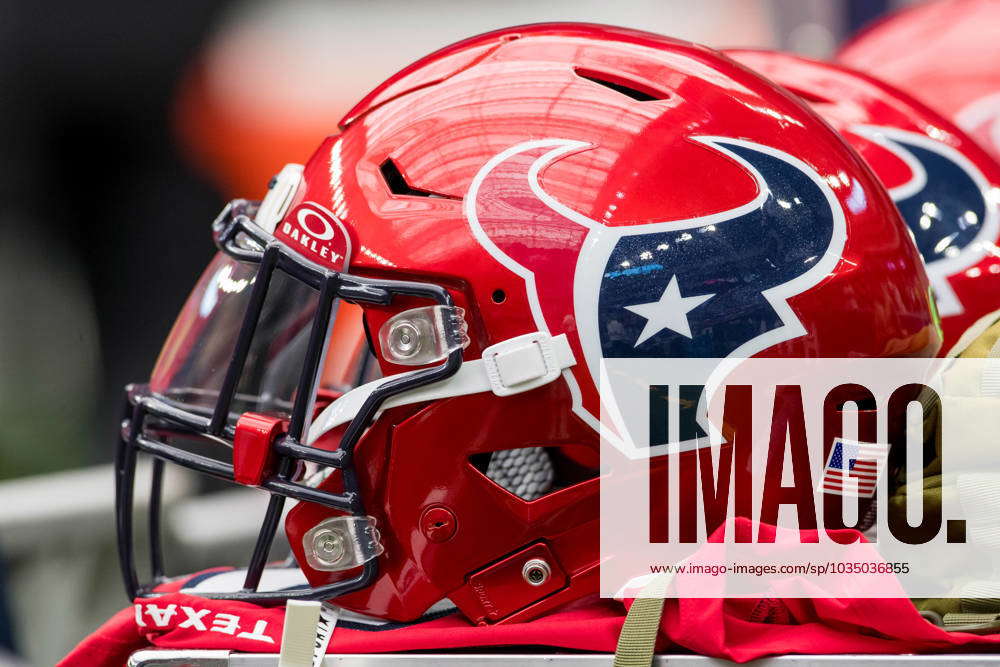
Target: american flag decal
(850, 459)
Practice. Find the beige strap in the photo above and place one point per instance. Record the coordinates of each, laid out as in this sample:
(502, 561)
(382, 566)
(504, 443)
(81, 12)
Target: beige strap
(968, 619)
(979, 615)
(954, 620)
(637, 641)
(983, 605)
(989, 384)
(299, 635)
(978, 328)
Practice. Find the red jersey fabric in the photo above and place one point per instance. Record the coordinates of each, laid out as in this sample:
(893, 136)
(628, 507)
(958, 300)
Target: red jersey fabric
(713, 627)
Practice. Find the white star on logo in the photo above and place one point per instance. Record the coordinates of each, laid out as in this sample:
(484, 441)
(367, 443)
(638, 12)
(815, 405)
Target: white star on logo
(670, 312)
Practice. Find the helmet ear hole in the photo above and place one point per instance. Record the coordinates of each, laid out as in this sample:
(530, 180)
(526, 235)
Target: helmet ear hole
(531, 472)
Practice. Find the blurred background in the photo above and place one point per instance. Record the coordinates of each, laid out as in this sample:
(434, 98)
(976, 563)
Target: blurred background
(125, 127)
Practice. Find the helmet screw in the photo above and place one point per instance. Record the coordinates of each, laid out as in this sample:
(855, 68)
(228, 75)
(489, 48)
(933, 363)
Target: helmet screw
(328, 546)
(536, 572)
(404, 339)
(438, 524)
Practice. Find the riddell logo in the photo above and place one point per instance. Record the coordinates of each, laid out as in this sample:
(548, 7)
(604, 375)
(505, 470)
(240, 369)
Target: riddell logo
(483, 595)
(317, 233)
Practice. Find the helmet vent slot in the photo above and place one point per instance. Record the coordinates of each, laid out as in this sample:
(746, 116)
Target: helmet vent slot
(637, 91)
(531, 472)
(397, 184)
(808, 96)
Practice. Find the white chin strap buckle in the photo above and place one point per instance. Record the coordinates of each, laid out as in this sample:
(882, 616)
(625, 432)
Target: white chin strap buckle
(522, 363)
(509, 367)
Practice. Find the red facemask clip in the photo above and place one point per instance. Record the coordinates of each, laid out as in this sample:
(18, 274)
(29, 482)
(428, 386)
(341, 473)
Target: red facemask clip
(253, 453)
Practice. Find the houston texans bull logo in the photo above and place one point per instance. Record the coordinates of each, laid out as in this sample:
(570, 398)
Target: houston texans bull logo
(945, 204)
(713, 286)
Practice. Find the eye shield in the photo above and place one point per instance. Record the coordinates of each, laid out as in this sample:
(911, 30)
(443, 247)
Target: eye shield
(241, 370)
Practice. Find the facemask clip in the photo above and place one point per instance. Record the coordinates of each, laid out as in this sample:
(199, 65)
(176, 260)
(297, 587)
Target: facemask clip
(342, 543)
(423, 335)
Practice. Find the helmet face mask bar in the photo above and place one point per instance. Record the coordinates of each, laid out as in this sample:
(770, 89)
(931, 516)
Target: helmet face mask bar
(149, 414)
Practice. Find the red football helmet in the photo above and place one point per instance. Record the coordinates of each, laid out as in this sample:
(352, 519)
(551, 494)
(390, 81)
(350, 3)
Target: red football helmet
(944, 53)
(505, 213)
(944, 184)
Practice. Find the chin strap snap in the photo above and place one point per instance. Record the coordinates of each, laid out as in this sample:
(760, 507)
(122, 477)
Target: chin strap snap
(510, 367)
(525, 362)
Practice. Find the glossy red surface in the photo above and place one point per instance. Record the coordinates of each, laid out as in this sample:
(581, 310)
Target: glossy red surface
(438, 524)
(501, 589)
(851, 101)
(945, 53)
(253, 446)
(441, 122)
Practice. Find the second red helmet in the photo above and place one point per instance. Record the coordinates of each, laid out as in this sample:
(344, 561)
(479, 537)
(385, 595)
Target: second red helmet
(946, 54)
(945, 186)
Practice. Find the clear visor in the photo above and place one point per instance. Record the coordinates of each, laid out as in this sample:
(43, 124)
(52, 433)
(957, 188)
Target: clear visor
(194, 361)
